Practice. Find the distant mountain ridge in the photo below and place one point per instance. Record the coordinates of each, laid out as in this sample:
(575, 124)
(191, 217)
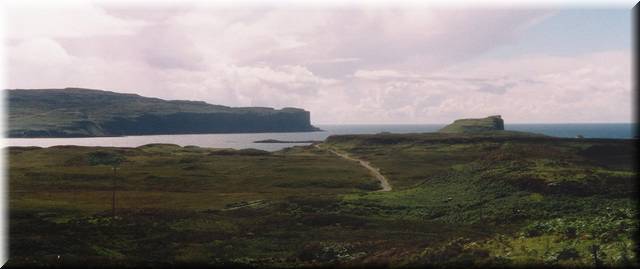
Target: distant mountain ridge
(78, 112)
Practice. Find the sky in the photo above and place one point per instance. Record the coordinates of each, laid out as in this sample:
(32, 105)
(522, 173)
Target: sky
(346, 64)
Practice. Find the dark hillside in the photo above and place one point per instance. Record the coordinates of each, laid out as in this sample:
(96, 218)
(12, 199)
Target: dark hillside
(74, 112)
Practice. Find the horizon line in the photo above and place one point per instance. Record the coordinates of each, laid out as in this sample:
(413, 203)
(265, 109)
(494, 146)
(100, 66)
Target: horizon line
(422, 123)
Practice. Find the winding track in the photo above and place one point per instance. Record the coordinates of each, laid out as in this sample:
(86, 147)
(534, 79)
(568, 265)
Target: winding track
(384, 182)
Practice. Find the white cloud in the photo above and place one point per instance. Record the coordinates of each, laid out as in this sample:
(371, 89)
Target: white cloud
(345, 65)
(41, 52)
(381, 74)
(81, 19)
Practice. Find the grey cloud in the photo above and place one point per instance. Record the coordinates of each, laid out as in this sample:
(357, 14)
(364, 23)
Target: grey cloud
(430, 101)
(151, 14)
(426, 41)
(495, 88)
(166, 48)
(241, 57)
(159, 46)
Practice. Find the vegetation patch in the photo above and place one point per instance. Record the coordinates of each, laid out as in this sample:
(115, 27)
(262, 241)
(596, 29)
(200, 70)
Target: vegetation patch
(482, 199)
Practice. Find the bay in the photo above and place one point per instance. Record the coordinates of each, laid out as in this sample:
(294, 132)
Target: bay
(246, 140)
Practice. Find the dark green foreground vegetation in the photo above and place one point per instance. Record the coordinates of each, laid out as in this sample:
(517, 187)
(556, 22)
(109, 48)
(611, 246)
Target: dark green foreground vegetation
(484, 199)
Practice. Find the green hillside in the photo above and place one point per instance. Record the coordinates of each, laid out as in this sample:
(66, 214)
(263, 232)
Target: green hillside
(73, 112)
(491, 123)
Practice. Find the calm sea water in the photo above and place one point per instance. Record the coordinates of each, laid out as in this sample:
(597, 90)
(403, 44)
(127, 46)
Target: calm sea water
(240, 141)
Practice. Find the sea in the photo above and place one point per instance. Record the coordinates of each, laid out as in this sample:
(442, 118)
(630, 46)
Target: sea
(246, 140)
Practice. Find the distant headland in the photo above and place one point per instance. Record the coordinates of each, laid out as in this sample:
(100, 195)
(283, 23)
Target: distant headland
(77, 112)
(491, 123)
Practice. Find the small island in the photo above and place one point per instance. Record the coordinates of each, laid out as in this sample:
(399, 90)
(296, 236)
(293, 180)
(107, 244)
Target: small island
(286, 142)
(491, 123)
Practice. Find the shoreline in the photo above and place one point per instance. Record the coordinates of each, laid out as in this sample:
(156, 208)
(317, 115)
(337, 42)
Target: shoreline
(159, 134)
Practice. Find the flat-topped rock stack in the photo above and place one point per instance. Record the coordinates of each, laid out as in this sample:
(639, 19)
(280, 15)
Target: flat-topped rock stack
(491, 123)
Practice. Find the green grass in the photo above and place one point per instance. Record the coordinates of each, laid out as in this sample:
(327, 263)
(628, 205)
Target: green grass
(458, 200)
(508, 185)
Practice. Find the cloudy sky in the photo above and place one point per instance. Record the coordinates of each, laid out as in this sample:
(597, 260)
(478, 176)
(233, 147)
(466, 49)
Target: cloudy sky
(345, 64)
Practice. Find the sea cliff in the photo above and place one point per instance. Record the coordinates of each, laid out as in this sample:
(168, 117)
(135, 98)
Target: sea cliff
(75, 112)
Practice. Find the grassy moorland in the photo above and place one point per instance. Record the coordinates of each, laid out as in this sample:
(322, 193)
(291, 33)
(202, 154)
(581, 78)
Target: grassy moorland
(500, 198)
(524, 199)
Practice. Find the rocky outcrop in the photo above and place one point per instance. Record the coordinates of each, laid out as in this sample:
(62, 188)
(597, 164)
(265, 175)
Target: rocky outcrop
(491, 123)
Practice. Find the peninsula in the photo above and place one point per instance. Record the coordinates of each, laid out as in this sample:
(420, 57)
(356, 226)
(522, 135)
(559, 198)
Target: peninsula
(76, 112)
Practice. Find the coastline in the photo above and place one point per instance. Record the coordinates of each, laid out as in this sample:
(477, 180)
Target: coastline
(7, 136)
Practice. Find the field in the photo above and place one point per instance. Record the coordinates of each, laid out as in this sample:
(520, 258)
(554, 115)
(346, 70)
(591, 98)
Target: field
(471, 200)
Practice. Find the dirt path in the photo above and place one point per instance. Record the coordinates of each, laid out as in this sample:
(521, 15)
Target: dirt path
(384, 182)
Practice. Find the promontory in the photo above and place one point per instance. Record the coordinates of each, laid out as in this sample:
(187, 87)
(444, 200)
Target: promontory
(491, 123)
(77, 112)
